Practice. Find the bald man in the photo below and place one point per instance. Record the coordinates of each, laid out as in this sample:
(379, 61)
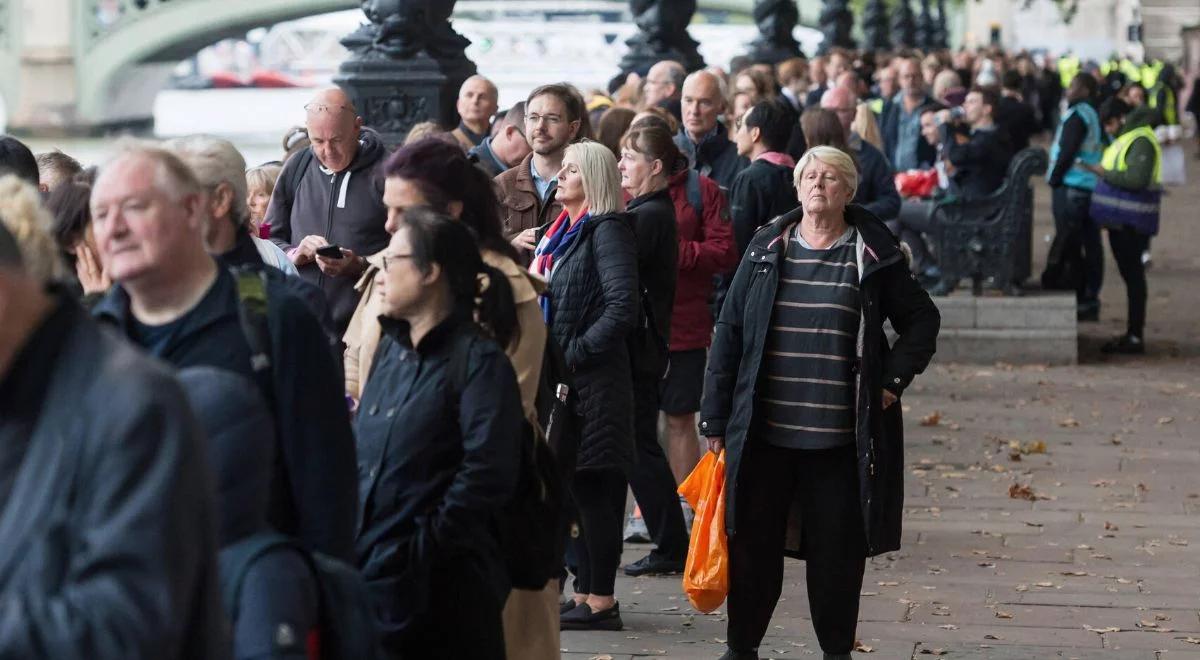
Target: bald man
(703, 139)
(876, 191)
(663, 87)
(327, 210)
(478, 99)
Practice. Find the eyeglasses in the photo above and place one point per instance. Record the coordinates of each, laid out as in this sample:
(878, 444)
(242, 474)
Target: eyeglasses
(317, 108)
(393, 259)
(551, 120)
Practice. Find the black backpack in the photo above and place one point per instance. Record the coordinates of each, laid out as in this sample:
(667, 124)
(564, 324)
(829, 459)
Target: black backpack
(531, 527)
(346, 618)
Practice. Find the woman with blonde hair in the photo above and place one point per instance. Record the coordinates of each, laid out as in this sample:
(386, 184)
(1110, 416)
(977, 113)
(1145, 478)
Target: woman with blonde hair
(588, 255)
(260, 183)
(865, 125)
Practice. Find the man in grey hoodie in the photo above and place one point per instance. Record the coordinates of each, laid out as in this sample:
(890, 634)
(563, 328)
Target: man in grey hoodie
(331, 194)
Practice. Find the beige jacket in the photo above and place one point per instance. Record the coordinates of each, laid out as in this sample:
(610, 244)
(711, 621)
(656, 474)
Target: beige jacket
(525, 353)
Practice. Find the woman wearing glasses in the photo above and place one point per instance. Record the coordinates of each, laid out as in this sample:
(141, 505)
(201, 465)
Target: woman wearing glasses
(588, 256)
(438, 433)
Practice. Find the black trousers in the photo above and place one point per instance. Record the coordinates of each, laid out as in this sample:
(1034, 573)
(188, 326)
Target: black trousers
(1076, 258)
(652, 482)
(596, 552)
(462, 618)
(824, 484)
(1127, 248)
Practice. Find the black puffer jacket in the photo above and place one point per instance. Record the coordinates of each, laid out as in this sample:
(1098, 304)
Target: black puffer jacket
(594, 294)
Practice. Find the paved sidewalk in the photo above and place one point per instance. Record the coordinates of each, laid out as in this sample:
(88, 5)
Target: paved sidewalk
(1050, 512)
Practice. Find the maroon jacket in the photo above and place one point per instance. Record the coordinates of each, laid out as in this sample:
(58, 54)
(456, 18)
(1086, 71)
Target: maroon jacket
(706, 248)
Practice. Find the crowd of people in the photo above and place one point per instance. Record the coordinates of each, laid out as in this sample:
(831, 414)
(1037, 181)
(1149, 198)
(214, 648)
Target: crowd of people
(240, 405)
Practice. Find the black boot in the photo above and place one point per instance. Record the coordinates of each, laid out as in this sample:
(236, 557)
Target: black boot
(730, 654)
(1126, 344)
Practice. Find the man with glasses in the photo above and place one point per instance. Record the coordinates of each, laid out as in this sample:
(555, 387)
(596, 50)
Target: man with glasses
(554, 115)
(663, 87)
(876, 188)
(506, 146)
(331, 194)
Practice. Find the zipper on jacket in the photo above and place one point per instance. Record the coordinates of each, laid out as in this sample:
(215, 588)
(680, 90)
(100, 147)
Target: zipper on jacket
(329, 220)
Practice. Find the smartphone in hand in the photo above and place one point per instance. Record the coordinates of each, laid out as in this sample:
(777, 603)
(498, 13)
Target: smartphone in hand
(330, 252)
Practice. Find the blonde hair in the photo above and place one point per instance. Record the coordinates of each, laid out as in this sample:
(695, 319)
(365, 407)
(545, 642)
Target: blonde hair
(865, 125)
(263, 178)
(838, 159)
(601, 178)
(30, 225)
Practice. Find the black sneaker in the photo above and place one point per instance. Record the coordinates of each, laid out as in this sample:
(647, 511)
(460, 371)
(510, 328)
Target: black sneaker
(583, 618)
(730, 654)
(652, 564)
(1125, 345)
(1087, 312)
(566, 606)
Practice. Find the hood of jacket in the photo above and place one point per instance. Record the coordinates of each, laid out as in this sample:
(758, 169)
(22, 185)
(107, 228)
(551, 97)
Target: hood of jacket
(371, 150)
(240, 431)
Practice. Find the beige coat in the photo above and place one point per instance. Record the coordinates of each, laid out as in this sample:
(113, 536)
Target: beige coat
(525, 353)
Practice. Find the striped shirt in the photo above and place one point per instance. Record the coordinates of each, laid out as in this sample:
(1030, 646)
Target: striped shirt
(806, 390)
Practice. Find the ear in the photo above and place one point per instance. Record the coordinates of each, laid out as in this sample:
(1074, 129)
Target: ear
(435, 273)
(454, 208)
(656, 167)
(43, 188)
(755, 133)
(220, 202)
(193, 205)
(575, 129)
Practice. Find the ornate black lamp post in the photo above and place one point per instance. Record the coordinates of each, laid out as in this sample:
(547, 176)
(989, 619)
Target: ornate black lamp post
(904, 28)
(662, 35)
(405, 66)
(926, 37)
(942, 33)
(875, 26)
(776, 19)
(835, 22)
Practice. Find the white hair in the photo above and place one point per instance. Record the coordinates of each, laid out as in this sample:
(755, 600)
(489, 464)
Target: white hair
(215, 161)
(601, 178)
(838, 159)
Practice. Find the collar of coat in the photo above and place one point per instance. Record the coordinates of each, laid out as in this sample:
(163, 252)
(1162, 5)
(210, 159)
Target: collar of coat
(876, 246)
(433, 340)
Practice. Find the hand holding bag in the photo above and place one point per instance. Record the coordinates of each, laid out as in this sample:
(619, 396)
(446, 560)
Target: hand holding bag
(706, 573)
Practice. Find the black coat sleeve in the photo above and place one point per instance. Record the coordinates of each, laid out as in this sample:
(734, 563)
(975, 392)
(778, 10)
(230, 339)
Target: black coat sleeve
(745, 209)
(279, 211)
(1073, 133)
(725, 355)
(141, 533)
(616, 264)
(489, 415)
(317, 444)
(916, 320)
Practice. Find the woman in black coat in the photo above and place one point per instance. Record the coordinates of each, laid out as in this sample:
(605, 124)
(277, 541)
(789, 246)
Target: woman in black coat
(589, 257)
(438, 430)
(648, 158)
(802, 392)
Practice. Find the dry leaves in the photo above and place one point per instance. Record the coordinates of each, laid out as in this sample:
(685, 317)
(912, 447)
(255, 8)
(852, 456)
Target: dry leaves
(1110, 527)
(932, 419)
(1101, 631)
(1069, 422)
(1001, 614)
(933, 652)
(1019, 492)
(862, 648)
(1163, 421)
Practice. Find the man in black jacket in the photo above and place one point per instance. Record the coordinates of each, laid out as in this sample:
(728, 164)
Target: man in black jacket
(763, 190)
(172, 299)
(702, 138)
(977, 152)
(109, 529)
(331, 194)
(1014, 116)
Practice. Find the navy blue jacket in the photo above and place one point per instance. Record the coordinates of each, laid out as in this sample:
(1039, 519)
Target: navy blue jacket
(716, 156)
(313, 497)
(876, 183)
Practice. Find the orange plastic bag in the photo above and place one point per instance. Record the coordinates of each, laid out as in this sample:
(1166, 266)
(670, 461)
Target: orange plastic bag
(706, 574)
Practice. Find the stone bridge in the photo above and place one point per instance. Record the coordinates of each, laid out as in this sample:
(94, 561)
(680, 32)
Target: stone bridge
(83, 65)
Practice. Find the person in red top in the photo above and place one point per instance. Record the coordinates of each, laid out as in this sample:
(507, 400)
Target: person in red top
(706, 249)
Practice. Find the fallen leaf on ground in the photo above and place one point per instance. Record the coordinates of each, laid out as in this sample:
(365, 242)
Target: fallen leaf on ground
(601, 657)
(1069, 422)
(995, 637)
(1101, 631)
(948, 626)
(1075, 573)
(1111, 527)
(888, 584)
(1190, 640)
(1043, 584)
(932, 419)
(1019, 492)
(862, 648)
(933, 652)
(672, 608)
(1146, 624)
(1162, 421)
(1001, 614)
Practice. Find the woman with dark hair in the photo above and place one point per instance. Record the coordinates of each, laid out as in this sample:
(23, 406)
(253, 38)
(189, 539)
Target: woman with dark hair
(438, 434)
(706, 249)
(436, 174)
(69, 203)
(822, 128)
(648, 158)
(588, 256)
(612, 125)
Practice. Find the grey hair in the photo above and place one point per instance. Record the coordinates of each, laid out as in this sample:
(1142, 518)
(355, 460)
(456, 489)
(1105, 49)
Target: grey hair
(214, 161)
(838, 159)
(722, 86)
(172, 175)
(601, 178)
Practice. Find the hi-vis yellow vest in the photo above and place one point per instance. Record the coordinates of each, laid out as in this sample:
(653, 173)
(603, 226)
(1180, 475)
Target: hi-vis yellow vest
(1114, 155)
(1068, 66)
